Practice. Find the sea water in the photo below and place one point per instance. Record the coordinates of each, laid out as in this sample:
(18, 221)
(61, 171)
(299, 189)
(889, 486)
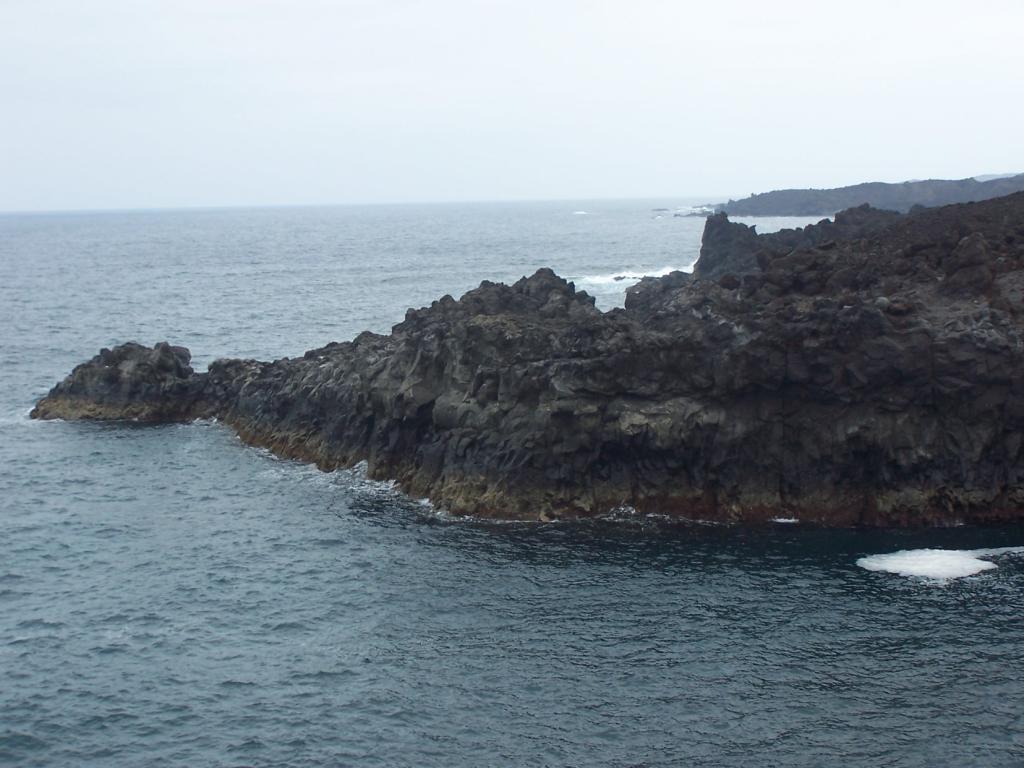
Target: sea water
(172, 597)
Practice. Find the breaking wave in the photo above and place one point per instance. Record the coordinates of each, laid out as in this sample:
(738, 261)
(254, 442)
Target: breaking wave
(609, 290)
(625, 278)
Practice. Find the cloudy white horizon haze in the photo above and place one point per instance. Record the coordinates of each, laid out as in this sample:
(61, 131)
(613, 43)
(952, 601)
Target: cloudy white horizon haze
(183, 103)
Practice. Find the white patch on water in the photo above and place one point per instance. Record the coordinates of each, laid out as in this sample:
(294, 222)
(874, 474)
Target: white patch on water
(20, 417)
(609, 290)
(696, 210)
(16, 416)
(442, 515)
(581, 213)
(785, 520)
(626, 278)
(940, 564)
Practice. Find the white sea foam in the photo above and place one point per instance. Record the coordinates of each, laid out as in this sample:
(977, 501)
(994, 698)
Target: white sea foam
(625, 277)
(785, 520)
(941, 564)
(20, 416)
(696, 210)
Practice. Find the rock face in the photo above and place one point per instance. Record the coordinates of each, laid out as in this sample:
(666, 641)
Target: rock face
(897, 197)
(867, 372)
(129, 382)
(731, 248)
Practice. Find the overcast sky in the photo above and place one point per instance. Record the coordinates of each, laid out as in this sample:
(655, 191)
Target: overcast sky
(145, 103)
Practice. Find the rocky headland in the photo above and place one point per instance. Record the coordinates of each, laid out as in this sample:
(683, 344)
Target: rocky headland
(866, 371)
(896, 197)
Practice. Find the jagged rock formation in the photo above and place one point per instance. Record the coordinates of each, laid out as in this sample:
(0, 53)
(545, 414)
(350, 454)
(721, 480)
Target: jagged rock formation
(896, 197)
(729, 250)
(867, 372)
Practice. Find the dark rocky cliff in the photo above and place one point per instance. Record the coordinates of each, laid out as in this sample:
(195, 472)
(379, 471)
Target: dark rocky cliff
(863, 372)
(729, 250)
(896, 197)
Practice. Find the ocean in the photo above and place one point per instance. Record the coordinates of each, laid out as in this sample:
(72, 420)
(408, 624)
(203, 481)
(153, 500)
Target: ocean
(172, 597)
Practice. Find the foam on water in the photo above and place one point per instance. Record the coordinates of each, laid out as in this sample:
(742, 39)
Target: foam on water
(626, 277)
(18, 415)
(609, 289)
(940, 564)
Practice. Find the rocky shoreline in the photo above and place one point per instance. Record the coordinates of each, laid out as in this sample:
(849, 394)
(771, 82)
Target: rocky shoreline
(862, 372)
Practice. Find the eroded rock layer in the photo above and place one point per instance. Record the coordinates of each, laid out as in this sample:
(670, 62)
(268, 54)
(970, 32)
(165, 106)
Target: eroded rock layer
(867, 371)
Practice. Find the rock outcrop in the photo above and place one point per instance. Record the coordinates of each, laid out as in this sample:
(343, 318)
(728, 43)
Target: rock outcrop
(866, 372)
(897, 197)
(128, 382)
(729, 249)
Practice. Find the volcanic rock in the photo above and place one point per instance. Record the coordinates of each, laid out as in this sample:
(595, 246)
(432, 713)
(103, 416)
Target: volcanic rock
(862, 372)
(128, 382)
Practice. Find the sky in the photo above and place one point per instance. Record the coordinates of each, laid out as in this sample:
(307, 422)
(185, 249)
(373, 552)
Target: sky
(147, 103)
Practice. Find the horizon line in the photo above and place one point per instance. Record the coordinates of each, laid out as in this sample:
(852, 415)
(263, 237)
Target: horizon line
(269, 206)
(706, 200)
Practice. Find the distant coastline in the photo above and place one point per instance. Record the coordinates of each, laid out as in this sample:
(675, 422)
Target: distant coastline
(901, 197)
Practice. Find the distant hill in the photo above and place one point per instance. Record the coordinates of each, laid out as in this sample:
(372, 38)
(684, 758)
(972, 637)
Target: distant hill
(990, 176)
(893, 197)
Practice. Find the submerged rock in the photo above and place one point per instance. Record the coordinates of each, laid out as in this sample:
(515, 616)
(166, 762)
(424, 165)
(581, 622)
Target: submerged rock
(842, 374)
